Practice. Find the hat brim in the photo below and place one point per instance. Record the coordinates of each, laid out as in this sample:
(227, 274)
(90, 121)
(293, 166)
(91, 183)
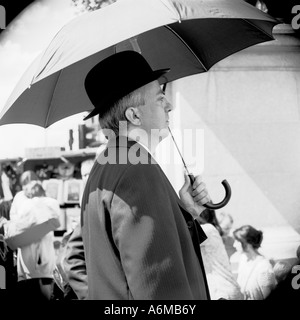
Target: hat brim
(154, 76)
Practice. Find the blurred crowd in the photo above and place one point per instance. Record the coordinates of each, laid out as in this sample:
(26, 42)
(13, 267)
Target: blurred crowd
(37, 263)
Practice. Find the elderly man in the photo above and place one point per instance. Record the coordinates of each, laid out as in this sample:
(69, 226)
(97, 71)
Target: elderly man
(139, 237)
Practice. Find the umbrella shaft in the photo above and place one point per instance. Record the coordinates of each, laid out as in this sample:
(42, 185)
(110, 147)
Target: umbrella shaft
(184, 164)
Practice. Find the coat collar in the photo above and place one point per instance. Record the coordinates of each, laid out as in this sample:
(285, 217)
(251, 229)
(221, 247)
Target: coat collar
(120, 141)
(125, 142)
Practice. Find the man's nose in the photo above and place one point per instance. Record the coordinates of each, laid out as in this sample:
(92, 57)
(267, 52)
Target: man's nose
(169, 106)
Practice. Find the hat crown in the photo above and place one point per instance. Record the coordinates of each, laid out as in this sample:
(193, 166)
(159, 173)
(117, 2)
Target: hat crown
(115, 77)
(123, 64)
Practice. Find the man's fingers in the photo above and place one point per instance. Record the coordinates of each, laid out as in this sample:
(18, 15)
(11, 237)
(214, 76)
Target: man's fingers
(197, 182)
(198, 188)
(201, 196)
(203, 201)
(199, 192)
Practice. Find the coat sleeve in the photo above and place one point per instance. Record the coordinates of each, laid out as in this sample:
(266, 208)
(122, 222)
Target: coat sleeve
(149, 236)
(74, 264)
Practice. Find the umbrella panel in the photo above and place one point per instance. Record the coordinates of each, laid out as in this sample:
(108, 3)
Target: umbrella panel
(197, 34)
(187, 48)
(162, 47)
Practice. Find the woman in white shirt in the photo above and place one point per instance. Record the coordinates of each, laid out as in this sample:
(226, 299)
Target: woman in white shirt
(255, 272)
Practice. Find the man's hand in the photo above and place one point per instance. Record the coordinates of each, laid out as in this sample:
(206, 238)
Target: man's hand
(195, 196)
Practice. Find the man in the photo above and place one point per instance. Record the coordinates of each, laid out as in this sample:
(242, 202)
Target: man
(140, 239)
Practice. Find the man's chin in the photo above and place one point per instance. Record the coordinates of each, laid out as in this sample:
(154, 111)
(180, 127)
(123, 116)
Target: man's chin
(163, 134)
(157, 135)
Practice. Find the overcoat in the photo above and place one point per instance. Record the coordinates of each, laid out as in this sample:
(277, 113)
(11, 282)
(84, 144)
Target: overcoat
(139, 241)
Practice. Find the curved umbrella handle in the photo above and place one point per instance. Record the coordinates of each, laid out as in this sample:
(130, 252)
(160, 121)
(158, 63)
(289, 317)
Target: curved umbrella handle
(226, 199)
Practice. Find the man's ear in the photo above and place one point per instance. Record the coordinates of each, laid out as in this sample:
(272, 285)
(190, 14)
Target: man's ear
(133, 116)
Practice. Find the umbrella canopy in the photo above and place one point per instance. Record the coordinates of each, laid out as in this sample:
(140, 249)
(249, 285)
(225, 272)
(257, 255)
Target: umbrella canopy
(188, 36)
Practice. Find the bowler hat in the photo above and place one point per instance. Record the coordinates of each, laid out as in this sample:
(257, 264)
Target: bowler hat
(115, 77)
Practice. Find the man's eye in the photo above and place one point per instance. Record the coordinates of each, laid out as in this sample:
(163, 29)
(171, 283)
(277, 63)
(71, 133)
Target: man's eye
(163, 100)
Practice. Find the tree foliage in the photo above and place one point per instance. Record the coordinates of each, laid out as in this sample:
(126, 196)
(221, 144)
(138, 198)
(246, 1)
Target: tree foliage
(91, 5)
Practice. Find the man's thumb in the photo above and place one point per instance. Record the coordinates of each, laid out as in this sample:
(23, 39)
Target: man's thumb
(187, 182)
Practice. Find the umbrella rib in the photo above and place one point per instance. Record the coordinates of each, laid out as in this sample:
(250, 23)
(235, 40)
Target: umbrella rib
(263, 31)
(187, 46)
(41, 71)
(48, 113)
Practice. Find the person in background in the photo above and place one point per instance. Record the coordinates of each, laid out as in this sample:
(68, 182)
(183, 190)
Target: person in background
(20, 197)
(5, 191)
(72, 260)
(1, 188)
(85, 169)
(225, 221)
(288, 276)
(281, 269)
(35, 261)
(298, 253)
(255, 272)
(7, 257)
(62, 289)
(221, 281)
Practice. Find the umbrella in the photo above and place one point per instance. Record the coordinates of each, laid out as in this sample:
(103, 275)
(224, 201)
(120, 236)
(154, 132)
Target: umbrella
(188, 36)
